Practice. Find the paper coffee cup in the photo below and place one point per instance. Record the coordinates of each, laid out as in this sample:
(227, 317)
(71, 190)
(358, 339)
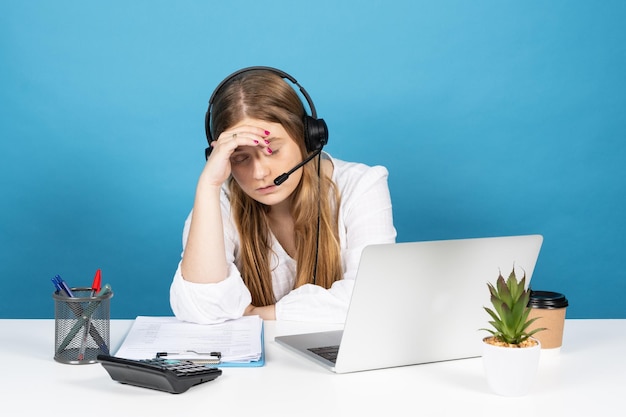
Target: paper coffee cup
(550, 308)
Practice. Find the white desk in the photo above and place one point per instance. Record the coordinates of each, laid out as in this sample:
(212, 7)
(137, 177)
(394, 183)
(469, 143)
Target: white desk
(588, 377)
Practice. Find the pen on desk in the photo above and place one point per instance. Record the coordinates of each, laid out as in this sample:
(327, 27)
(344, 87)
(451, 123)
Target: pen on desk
(216, 355)
(95, 287)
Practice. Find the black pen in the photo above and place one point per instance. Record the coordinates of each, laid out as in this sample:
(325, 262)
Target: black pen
(216, 355)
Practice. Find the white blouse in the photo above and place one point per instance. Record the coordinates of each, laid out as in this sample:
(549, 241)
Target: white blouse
(365, 218)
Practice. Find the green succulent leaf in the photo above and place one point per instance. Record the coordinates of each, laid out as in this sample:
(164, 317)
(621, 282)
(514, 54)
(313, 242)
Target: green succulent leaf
(510, 312)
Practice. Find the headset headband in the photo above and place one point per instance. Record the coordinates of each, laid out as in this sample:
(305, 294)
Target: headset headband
(316, 131)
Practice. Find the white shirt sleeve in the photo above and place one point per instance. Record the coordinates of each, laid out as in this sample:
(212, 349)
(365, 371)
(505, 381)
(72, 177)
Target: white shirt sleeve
(209, 303)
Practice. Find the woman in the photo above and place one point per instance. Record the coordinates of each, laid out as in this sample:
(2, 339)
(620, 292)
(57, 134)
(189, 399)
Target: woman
(288, 251)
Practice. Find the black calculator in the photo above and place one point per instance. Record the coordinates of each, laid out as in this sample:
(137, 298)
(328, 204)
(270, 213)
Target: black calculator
(170, 375)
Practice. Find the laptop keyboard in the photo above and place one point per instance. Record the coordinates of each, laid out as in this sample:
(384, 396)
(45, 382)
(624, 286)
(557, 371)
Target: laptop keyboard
(327, 352)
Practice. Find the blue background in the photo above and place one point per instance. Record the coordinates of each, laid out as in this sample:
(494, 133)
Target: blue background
(493, 117)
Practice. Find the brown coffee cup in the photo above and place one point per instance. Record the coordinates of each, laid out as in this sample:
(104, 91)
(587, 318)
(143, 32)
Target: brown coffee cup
(549, 308)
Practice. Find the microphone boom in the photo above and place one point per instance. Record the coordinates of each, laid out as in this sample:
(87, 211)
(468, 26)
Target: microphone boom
(283, 177)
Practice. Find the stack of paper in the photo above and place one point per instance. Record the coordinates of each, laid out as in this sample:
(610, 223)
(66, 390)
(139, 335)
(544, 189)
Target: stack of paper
(238, 341)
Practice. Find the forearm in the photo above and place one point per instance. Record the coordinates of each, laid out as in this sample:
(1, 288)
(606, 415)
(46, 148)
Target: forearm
(265, 312)
(204, 258)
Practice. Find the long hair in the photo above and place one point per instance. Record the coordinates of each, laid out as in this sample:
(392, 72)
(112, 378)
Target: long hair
(263, 95)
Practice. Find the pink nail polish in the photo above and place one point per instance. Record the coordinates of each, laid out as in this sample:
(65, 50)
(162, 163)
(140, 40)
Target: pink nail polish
(267, 142)
(269, 150)
(256, 141)
(267, 132)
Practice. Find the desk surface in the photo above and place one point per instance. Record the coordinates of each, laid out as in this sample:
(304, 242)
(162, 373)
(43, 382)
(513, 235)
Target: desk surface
(587, 377)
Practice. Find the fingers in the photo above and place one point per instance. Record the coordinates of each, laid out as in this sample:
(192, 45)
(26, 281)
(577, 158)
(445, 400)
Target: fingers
(228, 146)
(243, 136)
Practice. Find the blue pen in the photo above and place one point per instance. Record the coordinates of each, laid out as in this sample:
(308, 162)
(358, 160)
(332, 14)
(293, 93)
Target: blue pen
(66, 289)
(56, 285)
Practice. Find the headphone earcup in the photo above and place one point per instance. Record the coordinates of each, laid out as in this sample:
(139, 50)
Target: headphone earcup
(315, 133)
(207, 132)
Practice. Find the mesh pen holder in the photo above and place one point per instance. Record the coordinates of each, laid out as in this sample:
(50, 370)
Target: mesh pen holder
(81, 326)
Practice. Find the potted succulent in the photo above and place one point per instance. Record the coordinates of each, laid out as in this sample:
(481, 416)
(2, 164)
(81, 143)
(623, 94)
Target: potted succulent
(510, 354)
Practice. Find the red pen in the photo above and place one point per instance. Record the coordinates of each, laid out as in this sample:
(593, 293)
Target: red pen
(97, 280)
(95, 288)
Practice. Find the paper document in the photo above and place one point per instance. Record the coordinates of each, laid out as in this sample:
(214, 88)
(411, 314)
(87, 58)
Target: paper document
(237, 340)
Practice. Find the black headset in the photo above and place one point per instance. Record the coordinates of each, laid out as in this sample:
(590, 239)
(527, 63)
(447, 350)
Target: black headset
(315, 130)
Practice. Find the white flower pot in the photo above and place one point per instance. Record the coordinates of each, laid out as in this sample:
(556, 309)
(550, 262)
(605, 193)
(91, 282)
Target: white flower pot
(510, 371)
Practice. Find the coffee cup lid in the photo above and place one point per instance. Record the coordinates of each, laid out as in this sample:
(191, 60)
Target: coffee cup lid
(547, 299)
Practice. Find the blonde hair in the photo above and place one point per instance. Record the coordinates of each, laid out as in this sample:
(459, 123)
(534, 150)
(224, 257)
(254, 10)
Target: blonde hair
(264, 95)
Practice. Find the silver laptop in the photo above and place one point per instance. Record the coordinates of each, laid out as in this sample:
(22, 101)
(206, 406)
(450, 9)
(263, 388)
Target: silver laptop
(418, 302)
